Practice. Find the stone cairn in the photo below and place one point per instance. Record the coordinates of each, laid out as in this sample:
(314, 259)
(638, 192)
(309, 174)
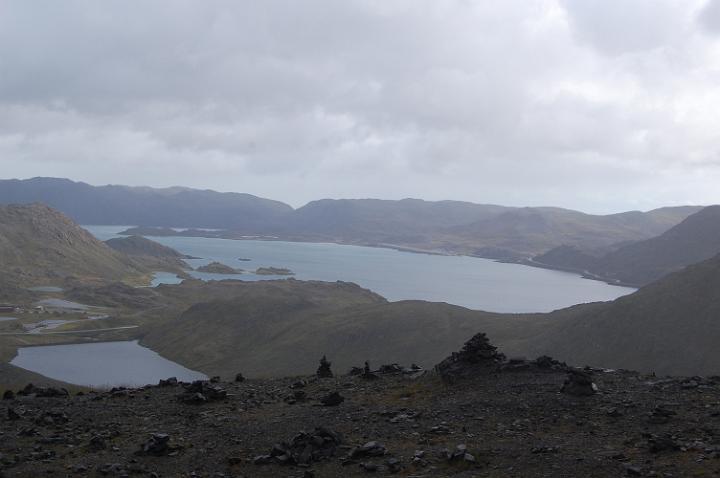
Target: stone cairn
(323, 370)
(477, 355)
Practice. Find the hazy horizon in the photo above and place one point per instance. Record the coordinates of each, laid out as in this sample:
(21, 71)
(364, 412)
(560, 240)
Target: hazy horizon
(600, 105)
(298, 205)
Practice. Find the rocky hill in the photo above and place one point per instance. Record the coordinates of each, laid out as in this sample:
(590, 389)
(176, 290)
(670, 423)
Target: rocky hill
(152, 254)
(39, 245)
(141, 246)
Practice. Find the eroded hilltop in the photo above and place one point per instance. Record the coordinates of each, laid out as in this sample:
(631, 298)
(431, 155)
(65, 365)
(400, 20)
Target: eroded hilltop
(478, 414)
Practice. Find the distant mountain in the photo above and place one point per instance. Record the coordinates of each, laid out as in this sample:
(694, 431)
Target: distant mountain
(526, 232)
(406, 220)
(457, 227)
(172, 207)
(670, 326)
(693, 240)
(41, 246)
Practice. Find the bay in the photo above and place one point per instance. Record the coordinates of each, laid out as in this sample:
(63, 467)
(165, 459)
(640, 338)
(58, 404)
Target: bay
(466, 281)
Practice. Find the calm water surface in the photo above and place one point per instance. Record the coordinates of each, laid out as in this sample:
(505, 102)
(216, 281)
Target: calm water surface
(467, 281)
(102, 364)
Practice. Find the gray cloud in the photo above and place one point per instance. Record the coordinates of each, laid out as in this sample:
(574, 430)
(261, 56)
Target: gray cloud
(599, 105)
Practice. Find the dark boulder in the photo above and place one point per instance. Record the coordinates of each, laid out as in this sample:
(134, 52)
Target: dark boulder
(43, 392)
(369, 449)
(239, 378)
(332, 400)
(579, 383)
(170, 382)
(200, 392)
(303, 449)
(158, 445)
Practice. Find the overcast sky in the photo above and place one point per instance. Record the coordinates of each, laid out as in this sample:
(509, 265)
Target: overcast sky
(598, 105)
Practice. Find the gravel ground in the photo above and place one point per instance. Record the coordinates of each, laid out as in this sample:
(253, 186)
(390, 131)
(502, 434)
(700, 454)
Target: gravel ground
(497, 424)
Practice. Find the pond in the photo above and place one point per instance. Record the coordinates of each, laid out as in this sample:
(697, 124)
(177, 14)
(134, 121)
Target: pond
(102, 364)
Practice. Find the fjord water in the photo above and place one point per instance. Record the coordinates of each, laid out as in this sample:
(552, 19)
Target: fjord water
(102, 364)
(467, 281)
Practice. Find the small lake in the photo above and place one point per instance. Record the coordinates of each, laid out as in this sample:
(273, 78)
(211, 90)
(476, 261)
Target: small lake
(104, 364)
(467, 281)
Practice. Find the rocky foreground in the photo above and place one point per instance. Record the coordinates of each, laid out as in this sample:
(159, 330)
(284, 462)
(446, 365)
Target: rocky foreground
(477, 414)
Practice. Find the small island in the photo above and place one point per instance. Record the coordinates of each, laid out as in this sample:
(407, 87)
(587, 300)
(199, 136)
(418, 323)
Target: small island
(218, 268)
(274, 271)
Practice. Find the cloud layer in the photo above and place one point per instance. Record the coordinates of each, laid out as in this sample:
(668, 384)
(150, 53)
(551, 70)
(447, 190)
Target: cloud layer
(600, 105)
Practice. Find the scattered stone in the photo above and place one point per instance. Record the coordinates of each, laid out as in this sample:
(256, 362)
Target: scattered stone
(369, 467)
(368, 374)
(332, 400)
(579, 384)
(239, 378)
(8, 395)
(215, 379)
(393, 465)
(459, 455)
(193, 398)
(296, 396)
(97, 443)
(324, 370)
(199, 392)
(115, 469)
(548, 363)
(51, 417)
(660, 415)
(369, 449)
(631, 470)
(12, 414)
(170, 382)
(262, 460)
(390, 369)
(303, 449)
(158, 445)
(42, 392)
(663, 443)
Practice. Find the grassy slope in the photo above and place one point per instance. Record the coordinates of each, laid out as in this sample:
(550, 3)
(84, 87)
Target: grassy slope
(670, 326)
(283, 327)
